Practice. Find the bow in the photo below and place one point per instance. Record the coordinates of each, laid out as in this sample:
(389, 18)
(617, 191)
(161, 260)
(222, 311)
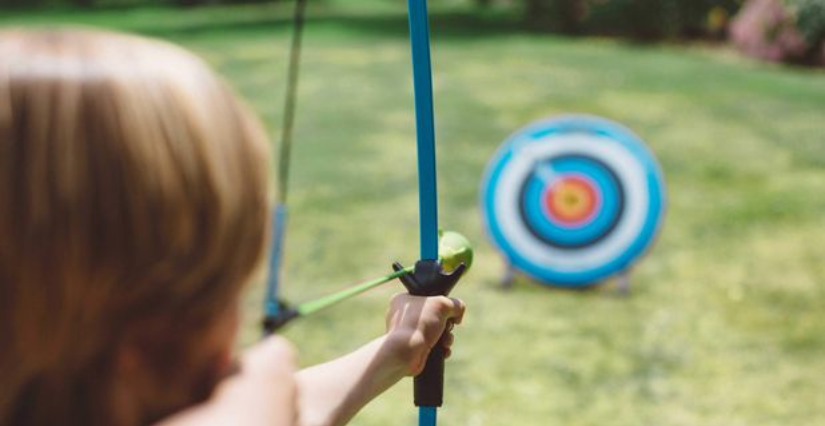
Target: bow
(427, 277)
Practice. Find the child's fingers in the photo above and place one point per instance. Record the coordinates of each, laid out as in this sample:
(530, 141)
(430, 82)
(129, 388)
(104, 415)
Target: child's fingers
(449, 338)
(447, 344)
(275, 355)
(264, 391)
(444, 307)
(451, 309)
(276, 347)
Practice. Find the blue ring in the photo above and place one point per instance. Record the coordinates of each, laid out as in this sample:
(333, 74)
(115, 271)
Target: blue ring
(576, 124)
(608, 185)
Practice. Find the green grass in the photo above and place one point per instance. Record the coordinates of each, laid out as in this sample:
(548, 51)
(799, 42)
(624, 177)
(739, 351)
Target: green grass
(725, 323)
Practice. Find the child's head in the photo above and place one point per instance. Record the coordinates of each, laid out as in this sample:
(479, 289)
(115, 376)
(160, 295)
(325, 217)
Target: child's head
(133, 208)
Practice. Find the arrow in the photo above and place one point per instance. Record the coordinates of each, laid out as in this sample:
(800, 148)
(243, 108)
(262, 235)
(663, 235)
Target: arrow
(457, 253)
(287, 315)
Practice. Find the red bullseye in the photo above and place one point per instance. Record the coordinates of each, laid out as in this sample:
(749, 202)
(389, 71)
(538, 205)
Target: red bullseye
(571, 201)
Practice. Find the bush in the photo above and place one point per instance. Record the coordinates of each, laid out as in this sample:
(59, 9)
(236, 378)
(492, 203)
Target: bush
(777, 30)
(810, 19)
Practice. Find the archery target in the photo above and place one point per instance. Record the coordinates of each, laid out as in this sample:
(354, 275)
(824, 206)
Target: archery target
(573, 200)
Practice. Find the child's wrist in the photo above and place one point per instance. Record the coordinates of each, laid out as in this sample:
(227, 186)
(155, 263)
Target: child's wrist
(401, 350)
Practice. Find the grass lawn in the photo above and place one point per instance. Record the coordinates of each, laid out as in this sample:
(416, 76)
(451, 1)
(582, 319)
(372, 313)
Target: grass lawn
(726, 322)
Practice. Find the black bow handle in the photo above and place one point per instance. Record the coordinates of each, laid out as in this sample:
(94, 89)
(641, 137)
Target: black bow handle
(429, 279)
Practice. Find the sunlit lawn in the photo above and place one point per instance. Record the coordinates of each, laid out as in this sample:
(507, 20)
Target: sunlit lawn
(726, 321)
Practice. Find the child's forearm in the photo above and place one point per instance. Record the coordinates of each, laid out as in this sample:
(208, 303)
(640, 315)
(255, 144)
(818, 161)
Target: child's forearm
(331, 394)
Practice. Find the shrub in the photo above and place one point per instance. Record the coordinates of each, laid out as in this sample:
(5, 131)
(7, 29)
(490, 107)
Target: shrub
(810, 19)
(777, 30)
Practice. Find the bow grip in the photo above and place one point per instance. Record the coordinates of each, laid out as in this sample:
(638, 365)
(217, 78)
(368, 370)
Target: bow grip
(429, 279)
(428, 387)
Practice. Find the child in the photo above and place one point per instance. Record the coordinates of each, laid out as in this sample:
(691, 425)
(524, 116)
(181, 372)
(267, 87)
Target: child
(133, 211)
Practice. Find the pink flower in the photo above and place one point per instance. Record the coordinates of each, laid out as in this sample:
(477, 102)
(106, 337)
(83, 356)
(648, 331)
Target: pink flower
(766, 29)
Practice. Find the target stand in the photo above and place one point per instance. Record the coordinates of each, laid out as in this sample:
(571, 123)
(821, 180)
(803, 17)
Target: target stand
(573, 200)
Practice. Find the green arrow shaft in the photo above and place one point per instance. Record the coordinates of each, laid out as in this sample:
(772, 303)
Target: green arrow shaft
(313, 306)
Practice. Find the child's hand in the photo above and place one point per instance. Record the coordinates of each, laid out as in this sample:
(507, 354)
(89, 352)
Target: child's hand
(262, 392)
(415, 324)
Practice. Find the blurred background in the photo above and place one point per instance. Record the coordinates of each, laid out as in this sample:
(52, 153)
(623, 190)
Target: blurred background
(724, 324)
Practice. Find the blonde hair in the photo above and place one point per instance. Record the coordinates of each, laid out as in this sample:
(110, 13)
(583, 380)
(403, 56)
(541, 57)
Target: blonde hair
(133, 207)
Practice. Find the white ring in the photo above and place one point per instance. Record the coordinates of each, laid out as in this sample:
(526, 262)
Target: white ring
(522, 163)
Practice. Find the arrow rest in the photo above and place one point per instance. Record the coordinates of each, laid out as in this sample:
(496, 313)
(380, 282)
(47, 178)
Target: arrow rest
(429, 278)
